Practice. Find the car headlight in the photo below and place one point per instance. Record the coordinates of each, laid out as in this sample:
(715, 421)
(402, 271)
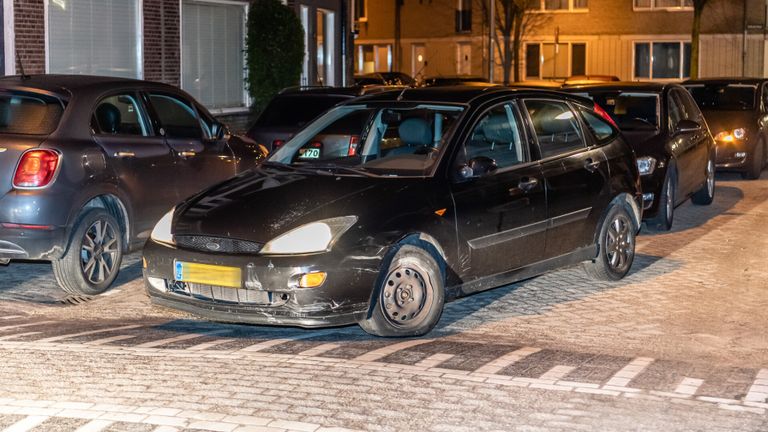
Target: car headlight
(739, 133)
(162, 231)
(646, 165)
(310, 238)
(730, 136)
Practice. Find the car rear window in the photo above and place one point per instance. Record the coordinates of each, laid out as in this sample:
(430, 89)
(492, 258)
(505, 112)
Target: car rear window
(296, 111)
(731, 97)
(630, 110)
(29, 113)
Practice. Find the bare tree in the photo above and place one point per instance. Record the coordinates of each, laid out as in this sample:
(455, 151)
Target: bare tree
(698, 8)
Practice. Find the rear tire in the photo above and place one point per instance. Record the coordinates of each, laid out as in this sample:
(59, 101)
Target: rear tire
(616, 246)
(410, 297)
(706, 194)
(93, 255)
(666, 212)
(756, 163)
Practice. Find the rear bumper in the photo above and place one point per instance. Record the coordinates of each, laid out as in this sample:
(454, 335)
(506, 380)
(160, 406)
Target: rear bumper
(32, 244)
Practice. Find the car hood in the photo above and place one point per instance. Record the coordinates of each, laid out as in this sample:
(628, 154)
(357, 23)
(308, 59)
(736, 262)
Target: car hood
(263, 203)
(720, 121)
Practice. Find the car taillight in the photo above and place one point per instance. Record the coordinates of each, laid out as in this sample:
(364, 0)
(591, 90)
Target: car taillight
(604, 114)
(36, 169)
(276, 144)
(353, 145)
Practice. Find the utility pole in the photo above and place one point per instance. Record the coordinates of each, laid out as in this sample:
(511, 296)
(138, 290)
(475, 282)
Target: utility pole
(491, 38)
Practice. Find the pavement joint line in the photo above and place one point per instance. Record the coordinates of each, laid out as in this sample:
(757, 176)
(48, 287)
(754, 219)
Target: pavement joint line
(10, 317)
(95, 425)
(320, 349)
(390, 349)
(107, 340)
(273, 342)
(689, 386)
(557, 372)
(210, 344)
(758, 392)
(434, 360)
(15, 326)
(629, 372)
(26, 424)
(18, 335)
(87, 333)
(496, 365)
(179, 338)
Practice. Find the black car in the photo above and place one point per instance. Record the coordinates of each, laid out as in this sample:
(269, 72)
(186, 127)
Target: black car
(737, 112)
(384, 79)
(451, 191)
(293, 108)
(675, 150)
(88, 165)
(456, 80)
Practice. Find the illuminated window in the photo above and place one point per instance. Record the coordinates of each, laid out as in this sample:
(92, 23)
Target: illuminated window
(663, 4)
(564, 5)
(662, 60)
(549, 61)
(361, 10)
(464, 16)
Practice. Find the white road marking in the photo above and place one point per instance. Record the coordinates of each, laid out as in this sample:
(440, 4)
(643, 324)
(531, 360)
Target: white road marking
(107, 340)
(179, 338)
(209, 344)
(557, 373)
(629, 372)
(10, 327)
(94, 426)
(273, 342)
(318, 350)
(86, 333)
(434, 360)
(500, 363)
(18, 335)
(758, 392)
(27, 423)
(689, 386)
(389, 349)
(8, 317)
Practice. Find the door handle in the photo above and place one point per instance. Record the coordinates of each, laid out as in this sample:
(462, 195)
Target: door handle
(125, 154)
(527, 184)
(187, 153)
(591, 165)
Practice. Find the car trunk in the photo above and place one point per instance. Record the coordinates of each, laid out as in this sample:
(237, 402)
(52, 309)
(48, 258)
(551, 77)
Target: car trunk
(11, 149)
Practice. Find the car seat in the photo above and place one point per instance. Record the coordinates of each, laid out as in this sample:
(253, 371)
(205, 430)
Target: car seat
(108, 117)
(414, 133)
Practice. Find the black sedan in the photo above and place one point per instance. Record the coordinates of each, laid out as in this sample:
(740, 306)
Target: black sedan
(737, 112)
(89, 164)
(451, 191)
(675, 151)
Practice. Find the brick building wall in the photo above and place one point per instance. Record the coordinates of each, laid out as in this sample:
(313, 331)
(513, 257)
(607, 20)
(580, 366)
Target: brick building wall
(29, 21)
(162, 50)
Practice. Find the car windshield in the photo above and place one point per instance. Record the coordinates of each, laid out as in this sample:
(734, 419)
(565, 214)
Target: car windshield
(392, 140)
(729, 97)
(298, 110)
(630, 110)
(28, 113)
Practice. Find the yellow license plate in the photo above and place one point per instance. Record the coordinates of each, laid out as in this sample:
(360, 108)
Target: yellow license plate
(208, 274)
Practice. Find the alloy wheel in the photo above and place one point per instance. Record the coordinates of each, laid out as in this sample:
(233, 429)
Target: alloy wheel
(670, 202)
(620, 242)
(711, 177)
(405, 295)
(98, 252)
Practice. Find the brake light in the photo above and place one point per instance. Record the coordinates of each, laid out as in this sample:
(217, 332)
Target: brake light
(604, 114)
(353, 145)
(36, 169)
(276, 144)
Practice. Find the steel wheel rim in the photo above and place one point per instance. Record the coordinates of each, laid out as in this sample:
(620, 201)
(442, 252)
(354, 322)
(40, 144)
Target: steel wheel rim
(710, 178)
(619, 243)
(98, 252)
(405, 295)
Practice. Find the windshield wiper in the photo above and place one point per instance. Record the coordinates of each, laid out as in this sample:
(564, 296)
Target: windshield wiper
(333, 169)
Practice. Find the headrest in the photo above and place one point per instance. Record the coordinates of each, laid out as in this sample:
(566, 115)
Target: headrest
(108, 117)
(415, 132)
(496, 128)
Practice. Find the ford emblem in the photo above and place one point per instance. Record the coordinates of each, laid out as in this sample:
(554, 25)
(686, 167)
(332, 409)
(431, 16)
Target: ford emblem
(213, 246)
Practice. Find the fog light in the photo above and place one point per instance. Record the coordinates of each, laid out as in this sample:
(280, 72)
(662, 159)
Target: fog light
(741, 154)
(157, 283)
(647, 200)
(312, 280)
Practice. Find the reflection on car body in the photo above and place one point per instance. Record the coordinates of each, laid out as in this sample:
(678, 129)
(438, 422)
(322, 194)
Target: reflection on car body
(449, 191)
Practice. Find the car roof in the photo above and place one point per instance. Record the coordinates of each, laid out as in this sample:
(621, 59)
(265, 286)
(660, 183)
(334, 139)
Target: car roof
(321, 91)
(645, 86)
(64, 85)
(462, 94)
(724, 81)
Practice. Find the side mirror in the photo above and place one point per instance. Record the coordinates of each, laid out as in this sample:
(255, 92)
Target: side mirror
(219, 132)
(687, 126)
(478, 167)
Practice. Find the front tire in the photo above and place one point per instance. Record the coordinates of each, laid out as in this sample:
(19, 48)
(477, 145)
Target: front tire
(616, 246)
(93, 256)
(706, 194)
(666, 212)
(410, 297)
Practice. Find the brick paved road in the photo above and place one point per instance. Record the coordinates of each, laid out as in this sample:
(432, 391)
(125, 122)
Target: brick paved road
(679, 345)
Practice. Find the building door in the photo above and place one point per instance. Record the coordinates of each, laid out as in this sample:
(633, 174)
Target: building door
(464, 59)
(383, 58)
(325, 47)
(418, 60)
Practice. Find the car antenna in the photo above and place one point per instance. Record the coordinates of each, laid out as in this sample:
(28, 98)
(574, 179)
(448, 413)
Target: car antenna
(402, 93)
(24, 76)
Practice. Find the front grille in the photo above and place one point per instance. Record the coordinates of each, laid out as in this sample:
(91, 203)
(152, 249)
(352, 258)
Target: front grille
(221, 294)
(217, 244)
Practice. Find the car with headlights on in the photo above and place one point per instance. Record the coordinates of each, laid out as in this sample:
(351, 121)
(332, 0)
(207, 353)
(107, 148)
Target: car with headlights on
(450, 191)
(737, 112)
(89, 164)
(674, 148)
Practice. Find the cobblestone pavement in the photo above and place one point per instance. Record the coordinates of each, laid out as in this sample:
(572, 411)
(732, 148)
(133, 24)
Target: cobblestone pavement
(679, 345)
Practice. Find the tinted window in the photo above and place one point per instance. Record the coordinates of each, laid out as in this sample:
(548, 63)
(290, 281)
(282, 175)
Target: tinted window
(601, 129)
(557, 128)
(296, 111)
(177, 117)
(690, 109)
(496, 136)
(118, 115)
(676, 112)
(724, 97)
(28, 113)
(631, 111)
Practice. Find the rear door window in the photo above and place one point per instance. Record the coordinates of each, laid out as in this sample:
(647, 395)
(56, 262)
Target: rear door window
(119, 115)
(556, 126)
(29, 113)
(497, 136)
(177, 117)
(600, 128)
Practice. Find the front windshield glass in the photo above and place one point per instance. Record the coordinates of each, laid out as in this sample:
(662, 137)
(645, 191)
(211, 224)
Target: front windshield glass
(630, 110)
(392, 140)
(729, 97)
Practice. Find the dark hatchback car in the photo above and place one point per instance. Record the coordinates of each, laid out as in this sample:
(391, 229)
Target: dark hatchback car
(457, 80)
(452, 191)
(385, 79)
(675, 151)
(737, 112)
(88, 165)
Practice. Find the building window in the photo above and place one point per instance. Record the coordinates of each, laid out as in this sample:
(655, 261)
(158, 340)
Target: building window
(663, 4)
(555, 61)
(212, 53)
(564, 5)
(361, 10)
(464, 16)
(94, 37)
(374, 58)
(662, 60)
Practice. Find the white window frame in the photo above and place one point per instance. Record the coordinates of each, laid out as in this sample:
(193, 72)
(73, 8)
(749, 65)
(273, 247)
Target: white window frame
(681, 76)
(653, 7)
(246, 97)
(571, 8)
(10, 37)
(570, 56)
(139, 37)
(362, 18)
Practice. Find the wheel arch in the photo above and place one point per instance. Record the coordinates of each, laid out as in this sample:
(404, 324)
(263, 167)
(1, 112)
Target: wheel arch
(625, 200)
(110, 200)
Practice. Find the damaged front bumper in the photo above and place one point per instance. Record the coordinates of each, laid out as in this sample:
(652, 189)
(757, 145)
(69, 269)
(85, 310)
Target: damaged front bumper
(269, 293)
